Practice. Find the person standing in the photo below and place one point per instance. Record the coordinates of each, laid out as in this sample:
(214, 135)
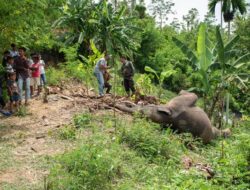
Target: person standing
(35, 80)
(100, 68)
(5, 55)
(127, 71)
(107, 77)
(9, 65)
(13, 52)
(42, 71)
(2, 102)
(23, 74)
(13, 91)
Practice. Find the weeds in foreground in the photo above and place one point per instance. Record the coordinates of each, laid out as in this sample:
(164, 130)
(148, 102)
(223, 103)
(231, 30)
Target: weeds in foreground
(22, 111)
(67, 132)
(143, 156)
(55, 76)
(82, 120)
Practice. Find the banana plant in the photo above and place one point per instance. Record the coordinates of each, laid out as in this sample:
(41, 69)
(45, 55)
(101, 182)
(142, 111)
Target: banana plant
(230, 67)
(160, 78)
(89, 62)
(201, 60)
(78, 21)
(210, 59)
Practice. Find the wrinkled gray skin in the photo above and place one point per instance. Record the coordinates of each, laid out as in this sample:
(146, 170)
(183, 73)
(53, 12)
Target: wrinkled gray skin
(181, 113)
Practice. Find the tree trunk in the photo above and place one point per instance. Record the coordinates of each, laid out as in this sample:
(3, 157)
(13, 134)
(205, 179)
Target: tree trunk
(229, 25)
(221, 20)
(214, 102)
(116, 2)
(227, 108)
(133, 4)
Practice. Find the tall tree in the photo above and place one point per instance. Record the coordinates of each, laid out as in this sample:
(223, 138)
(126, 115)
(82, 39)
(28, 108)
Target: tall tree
(160, 9)
(28, 22)
(191, 19)
(228, 9)
(176, 24)
(209, 19)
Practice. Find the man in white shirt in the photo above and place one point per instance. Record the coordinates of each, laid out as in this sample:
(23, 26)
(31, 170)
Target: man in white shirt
(100, 67)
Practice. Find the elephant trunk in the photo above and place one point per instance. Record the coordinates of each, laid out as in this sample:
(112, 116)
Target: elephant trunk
(125, 108)
(224, 132)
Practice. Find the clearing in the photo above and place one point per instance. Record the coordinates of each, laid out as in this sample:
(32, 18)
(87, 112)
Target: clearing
(26, 142)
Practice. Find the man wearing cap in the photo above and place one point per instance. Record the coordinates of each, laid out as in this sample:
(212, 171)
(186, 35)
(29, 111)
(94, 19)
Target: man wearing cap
(100, 68)
(23, 74)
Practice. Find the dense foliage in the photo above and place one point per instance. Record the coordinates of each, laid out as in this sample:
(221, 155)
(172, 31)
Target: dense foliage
(143, 156)
(190, 54)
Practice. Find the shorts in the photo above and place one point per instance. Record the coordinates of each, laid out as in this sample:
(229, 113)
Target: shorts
(35, 81)
(15, 97)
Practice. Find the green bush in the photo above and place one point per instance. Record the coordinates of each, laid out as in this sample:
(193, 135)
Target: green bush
(233, 162)
(22, 111)
(82, 120)
(67, 132)
(140, 155)
(55, 76)
(147, 139)
(92, 166)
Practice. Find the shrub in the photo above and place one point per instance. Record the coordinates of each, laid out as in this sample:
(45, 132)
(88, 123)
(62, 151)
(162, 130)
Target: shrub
(92, 166)
(55, 76)
(146, 138)
(22, 111)
(67, 132)
(82, 120)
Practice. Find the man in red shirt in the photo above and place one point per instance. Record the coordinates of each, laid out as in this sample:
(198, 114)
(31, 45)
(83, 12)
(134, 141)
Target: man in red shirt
(21, 65)
(35, 80)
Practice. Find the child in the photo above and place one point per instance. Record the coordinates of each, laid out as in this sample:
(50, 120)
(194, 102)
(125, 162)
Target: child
(35, 80)
(42, 71)
(107, 85)
(2, 102)
(13, 91)
(9, 65)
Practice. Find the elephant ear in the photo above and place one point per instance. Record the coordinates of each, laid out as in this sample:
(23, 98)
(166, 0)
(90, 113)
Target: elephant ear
(164, 110)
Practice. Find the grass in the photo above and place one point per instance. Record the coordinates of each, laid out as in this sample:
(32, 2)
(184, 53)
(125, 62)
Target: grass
(22, 111)
(55, 76)
(140, 155)
(67, 132)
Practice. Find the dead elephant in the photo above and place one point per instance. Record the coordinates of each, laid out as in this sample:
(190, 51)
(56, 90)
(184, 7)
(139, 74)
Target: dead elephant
(181, 114)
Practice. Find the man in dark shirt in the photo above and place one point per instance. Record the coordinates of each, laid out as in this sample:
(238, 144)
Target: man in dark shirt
(21, 66)
(127, 71)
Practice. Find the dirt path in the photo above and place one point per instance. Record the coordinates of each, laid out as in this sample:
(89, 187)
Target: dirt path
(26, 142)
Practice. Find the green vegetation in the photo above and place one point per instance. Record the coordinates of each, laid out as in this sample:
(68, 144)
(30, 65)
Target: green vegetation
(144, 156)
(22, 111)
(190, 54)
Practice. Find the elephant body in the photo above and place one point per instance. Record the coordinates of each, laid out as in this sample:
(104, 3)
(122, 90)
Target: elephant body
(181, 114)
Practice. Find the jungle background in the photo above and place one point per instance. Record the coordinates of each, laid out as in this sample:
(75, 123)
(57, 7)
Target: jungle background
(66, 145)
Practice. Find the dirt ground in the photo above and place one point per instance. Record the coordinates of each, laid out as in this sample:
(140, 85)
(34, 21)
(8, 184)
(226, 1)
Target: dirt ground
(26, 142)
